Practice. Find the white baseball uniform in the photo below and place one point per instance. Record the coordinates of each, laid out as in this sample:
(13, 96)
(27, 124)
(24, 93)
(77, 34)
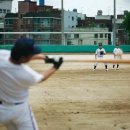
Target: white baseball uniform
(117, 51)
(15, 81)
(99, 55)
(117, 55)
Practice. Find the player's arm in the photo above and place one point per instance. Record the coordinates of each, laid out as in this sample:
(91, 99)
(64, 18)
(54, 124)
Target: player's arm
(121, 53)
(56, 65)
(48, 73)
(114, 54)
(96, 54)
(41, 56)
(38, 57)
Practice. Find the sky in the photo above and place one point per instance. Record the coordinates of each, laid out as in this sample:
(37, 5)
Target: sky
(88, 7)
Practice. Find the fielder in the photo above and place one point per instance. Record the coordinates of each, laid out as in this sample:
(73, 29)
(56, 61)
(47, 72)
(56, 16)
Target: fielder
(99, 54)
(117, 52)
(15, 80)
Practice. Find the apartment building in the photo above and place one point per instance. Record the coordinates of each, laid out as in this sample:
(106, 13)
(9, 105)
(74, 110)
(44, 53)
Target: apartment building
(43, 18)
(100, 24)
(33, 18)
(5, 7)
(89, 36)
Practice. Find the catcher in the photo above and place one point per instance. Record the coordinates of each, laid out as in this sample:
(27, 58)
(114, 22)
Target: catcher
(117, 52)
(15, 80)
(99, 54)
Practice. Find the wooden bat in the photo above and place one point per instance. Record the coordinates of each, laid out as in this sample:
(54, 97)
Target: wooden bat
(125, 61)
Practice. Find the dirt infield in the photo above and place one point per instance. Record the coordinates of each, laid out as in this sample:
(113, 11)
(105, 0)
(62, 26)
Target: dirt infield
(78, 98)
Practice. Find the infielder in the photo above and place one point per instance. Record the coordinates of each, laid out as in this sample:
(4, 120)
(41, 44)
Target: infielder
(99, 54)
(117, 52)
(15, 80)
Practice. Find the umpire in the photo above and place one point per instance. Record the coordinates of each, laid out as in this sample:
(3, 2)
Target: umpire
(15, 80)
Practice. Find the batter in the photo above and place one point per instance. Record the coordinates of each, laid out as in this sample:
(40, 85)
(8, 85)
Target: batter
(15, 80)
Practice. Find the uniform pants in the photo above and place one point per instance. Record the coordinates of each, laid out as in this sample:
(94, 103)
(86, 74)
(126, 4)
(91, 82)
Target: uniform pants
(17, 117)
(99, 58)
(117, 58)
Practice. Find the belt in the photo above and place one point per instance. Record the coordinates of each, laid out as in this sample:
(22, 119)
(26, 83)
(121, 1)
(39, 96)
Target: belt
(17, 103)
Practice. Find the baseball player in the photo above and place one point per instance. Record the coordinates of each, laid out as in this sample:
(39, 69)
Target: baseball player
(15, 80)
(99, 54)
(117, 52)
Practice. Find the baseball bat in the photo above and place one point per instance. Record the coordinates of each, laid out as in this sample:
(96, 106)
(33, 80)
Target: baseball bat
(125, 61)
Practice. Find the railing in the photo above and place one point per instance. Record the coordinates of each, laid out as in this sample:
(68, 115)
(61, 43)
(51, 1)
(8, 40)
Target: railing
(55, 38)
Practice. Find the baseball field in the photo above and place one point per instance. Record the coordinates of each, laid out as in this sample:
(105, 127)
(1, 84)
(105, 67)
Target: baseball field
(78, 98)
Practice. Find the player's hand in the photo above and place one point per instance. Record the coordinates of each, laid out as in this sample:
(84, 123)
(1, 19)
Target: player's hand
(49, 60)
(57, 62)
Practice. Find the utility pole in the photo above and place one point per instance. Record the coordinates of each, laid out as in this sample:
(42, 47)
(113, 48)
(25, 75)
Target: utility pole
(62, 23)
(114, 24)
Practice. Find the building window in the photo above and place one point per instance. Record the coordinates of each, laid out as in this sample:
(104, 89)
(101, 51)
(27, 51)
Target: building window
(21, 16)
(101, 35)
(76, 35)
(105, 35)
(80, 41)
(0, 10)
(28, 21)
(96, 35)
(4, 10)
(95, 42)
(8, 11)
(72, 18)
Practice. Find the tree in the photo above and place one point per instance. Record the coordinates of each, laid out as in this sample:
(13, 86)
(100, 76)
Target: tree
(126, 24)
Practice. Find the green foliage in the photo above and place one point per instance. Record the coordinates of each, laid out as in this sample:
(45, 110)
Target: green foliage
(126, 22)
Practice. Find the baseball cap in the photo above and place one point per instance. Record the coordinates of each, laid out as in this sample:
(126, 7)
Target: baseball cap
(24, 47)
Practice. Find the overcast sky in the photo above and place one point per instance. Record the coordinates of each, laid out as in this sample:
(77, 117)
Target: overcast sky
(88, 7)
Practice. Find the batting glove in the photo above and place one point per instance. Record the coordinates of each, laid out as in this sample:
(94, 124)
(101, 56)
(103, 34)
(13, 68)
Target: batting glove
(49, 60)
(57, 62)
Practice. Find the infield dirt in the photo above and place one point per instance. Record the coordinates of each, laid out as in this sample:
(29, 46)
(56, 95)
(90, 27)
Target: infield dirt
(78, 98)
